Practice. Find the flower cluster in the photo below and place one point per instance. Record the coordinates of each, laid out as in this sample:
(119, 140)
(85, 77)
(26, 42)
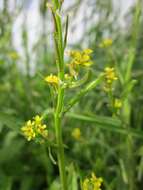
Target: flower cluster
(110, 74)
(76, 134)
(106, 43)
(35, 129)
(92, 183)
(110, 77)
(79, 58)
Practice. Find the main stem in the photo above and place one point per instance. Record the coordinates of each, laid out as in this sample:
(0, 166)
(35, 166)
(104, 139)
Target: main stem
(60, 99)
(58, 129)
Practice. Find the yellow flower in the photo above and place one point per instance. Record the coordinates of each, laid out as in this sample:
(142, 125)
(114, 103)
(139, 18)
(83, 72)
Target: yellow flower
(92, 183)
(45, 133)
(97, 182)
(110, 74)
(52, 79)
(41, 129)
(81, 58)
(35, 128)
(86, 184)
(110, 77)
(28, 130)
(37, 120)
(85, 57)
(117, 103)
(76, 133)
(76, 54)
(106, 43)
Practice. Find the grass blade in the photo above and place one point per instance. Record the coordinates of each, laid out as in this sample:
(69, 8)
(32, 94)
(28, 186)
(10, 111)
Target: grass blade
(107, 123)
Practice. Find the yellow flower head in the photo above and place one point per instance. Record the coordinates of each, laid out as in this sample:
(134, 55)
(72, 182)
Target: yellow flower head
(76, 133)
(37, 120)
(110, 74)
(92, 183)
(97, 182)
(85, 185)
(117, 103)
(75, 54)
(35, 128)
(81, 58)
(106, 43)
(41, 128)
(52, 79)
(28, 130)
(110, 77)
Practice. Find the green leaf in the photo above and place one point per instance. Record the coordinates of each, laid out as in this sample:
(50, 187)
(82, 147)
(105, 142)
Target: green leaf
(128, 88)
(107, 123)
(84, 91)
(72, 178)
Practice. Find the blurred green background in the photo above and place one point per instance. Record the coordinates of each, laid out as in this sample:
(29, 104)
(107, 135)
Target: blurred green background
(26, 53)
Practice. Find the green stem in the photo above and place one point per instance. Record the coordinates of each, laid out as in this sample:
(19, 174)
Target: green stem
(58, 130)
(60, 99)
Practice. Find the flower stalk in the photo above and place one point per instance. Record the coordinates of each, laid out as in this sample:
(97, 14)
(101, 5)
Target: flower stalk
(58, 37)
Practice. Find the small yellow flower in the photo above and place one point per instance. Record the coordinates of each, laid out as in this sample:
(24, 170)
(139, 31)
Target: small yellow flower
(41, 128)
(97, 182)
(85, 57)
(86, 184)
(92, 183)
(45, 133)
(117, 103)
(52, 79)
(110, 77)
(80, 58)
(28, 130)
(110, 74)
(37, 120)
(106, 43)
(76, 54)
(76, 133)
